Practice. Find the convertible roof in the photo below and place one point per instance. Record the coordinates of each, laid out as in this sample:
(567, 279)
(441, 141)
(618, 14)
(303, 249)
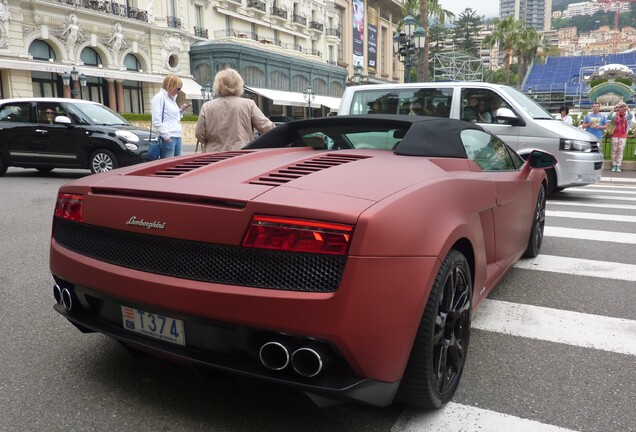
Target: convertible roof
(425, 136)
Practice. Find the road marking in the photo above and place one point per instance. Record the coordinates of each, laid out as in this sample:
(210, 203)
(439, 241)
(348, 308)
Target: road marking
(579, 267)
(605, 190)
(584, 234)
(594, 216)
(582, 204)
(458, 417)
(618, 179)
(561, 326)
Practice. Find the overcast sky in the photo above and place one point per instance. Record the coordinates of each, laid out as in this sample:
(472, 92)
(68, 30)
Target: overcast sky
(487, 8)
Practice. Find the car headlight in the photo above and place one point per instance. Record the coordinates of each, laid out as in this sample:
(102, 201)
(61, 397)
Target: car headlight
(128, 136)
(130, 146)
(576, 145)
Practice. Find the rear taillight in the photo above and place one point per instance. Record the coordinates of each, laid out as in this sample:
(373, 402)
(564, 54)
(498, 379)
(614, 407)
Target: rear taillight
(298, 235)
(69, 206)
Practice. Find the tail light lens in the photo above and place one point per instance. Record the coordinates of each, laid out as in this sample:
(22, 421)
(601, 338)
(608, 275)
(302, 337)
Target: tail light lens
(298, 235)
(69, 206)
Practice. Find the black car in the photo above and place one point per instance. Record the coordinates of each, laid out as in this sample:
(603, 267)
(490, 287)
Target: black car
(47, 133)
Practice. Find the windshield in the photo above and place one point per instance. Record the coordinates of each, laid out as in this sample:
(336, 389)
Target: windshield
(532, 108)
(95, 114)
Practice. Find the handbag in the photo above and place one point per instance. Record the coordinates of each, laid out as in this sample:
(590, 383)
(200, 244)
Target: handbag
(154, 147)
(611, 127)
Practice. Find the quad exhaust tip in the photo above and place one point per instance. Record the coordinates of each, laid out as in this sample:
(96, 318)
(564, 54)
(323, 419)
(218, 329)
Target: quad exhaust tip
(57, 294)
(307, 362)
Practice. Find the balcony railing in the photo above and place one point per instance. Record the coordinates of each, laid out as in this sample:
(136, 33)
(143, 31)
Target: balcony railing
(279, 12)
(109, 7)
(299, 19)
(200, 32)
(257, 4)
(334, 32)
(173, 22)
(316, 25)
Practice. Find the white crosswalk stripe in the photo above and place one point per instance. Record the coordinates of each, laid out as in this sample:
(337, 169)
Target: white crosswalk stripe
(588, 331)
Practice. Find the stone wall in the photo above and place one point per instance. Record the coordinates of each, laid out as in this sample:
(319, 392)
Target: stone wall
(187, 130)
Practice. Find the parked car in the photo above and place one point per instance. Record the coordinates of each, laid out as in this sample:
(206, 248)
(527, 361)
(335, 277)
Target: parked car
(514, 117)
(343, 256)
(48, 133)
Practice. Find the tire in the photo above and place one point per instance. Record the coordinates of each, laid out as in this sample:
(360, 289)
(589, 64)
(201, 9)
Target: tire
(552, 182)
(538, 224)
(3, 167)
(44, 169)
(439, 351)
(102, 161)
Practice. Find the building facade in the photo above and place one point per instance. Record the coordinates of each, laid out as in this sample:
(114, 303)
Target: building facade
(534, 13)
(123, 49)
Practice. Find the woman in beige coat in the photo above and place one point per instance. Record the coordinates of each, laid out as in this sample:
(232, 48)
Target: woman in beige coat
(227, 123)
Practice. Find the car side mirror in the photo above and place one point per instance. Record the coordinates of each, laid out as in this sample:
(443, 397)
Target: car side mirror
(509, 116)
(541, 160)
(63, 120)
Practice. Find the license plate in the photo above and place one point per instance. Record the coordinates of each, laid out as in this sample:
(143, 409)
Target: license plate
(153, 325)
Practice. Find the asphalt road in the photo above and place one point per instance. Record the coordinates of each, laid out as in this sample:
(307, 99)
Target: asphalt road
(518, 377)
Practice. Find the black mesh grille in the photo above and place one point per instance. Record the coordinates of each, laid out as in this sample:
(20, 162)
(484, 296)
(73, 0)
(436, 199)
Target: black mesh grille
(202, 261)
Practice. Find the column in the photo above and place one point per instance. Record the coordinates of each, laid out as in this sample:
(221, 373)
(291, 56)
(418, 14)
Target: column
(119, 86)
(112, 100)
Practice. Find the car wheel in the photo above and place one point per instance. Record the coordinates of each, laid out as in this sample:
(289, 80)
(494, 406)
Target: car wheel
(3, 167)
(538, 224)
(44, 169)
(438, 356)
(102, 161)
(552, 182)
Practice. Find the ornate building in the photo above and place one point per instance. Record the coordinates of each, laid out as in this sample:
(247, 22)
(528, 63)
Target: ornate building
(118, 52)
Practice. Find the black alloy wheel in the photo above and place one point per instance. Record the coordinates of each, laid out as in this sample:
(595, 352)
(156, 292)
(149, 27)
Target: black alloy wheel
(439, 352)
(538, 225)
(102, 161)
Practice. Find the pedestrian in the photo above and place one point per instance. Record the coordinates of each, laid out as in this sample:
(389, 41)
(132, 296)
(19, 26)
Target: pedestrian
(595, 122)
(227, 122)
(166, 117)
(620, 117)
(565, 114)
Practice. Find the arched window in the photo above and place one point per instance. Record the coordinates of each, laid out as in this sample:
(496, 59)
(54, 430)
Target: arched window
(90, 57)
(41, 50)
(132, 63)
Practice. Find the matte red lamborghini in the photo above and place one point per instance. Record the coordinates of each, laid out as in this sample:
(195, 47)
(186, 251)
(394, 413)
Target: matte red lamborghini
(343, 256)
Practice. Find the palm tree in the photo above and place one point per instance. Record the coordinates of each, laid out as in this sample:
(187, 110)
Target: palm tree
(530, 46)
(506, 34)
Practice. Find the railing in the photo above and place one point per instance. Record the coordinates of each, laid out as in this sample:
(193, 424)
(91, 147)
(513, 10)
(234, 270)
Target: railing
(332, 32)
(279, 12)
(257, 4)
(200, 32)
(109, 7)
(173, 22)
(299, 19)
(316, 25)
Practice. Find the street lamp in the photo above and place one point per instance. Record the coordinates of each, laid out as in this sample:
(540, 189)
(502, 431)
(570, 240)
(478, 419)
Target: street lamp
(310, 95)
(74, 81)
(408, 43)
(357, 74)
(206, 91)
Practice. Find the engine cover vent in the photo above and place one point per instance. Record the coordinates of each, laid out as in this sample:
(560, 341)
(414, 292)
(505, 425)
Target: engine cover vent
(192, 164)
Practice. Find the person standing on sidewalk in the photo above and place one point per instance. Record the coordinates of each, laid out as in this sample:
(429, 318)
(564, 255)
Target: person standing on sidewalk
(166, 116)
(227, 123)
(620, 116)
(595, 122)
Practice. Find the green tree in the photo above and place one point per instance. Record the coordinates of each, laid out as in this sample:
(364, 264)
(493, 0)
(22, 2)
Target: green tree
(505, 34)
(466, 30)
(530, 45)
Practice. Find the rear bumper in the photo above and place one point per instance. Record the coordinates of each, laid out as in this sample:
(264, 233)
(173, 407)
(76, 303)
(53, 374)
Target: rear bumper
(231, 349)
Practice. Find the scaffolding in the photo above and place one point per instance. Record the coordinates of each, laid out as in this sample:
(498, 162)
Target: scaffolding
(456, 66)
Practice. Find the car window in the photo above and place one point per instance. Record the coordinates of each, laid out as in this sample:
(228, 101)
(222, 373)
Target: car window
(409, 101)
(16, 112)
(488, 151)
(47, 111)
(480, 106)
(95, 114)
